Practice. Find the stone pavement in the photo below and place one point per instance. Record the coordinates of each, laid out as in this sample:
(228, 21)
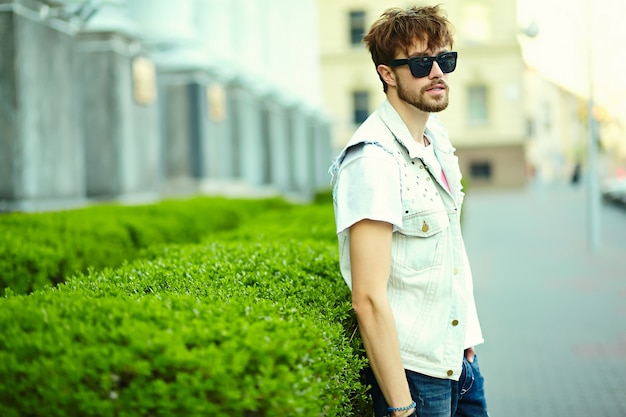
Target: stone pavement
(553, 313)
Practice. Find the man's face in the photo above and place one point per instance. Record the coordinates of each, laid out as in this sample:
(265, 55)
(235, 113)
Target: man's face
(429, 93)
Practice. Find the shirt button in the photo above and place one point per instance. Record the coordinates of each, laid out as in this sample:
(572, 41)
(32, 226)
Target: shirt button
(455, 322)
(450, 372)
(456, 271)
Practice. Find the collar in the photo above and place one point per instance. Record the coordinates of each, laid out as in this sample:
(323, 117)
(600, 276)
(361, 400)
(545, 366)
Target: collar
(433, 131)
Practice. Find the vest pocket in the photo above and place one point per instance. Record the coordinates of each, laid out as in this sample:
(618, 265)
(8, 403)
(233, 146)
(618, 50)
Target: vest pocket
(425, 224)
(420, 243)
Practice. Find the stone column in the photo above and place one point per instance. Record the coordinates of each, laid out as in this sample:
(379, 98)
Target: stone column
(120, 113)
(322, 150)
(302, 153)
(41, 152)
(279, 147)
(167, 28)
(241, 55)
(214, 23)
(301, 85)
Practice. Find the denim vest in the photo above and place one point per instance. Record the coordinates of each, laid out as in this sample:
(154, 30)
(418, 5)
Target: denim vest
(430, 286)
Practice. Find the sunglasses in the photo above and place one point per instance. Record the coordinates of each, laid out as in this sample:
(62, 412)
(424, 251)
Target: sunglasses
(422, 65)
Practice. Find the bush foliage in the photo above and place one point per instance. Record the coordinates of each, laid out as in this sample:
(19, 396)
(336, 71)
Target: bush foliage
(39, 250)
(244, 313)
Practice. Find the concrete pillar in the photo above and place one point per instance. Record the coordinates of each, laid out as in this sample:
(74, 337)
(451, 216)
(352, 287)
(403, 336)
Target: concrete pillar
(235, 36)
(302, 153)
(279, 147)
(167, 28)
(216, 25)
(322, 150)
(247, 136)
(41, 152)
(120, 113)
(120, 126)
(219, 132)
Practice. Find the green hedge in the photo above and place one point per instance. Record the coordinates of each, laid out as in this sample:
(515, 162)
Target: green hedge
(39, 250)
(168, 355)
(254, 321)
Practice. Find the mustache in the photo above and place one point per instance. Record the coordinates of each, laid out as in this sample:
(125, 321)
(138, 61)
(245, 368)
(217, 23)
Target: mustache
(437, 83)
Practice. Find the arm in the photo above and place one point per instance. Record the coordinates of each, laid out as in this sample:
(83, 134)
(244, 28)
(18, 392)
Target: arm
(370, 255)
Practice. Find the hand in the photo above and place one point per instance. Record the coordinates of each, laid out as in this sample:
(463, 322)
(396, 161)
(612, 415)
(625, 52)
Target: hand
(469, 354)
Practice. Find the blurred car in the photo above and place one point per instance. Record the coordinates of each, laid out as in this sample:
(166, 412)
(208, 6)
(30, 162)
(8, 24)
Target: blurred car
(614, 190)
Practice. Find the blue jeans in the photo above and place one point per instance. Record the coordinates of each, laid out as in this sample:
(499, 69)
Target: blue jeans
(437, 397)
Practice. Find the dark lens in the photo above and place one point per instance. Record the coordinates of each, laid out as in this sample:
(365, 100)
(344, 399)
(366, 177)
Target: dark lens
(447, 62)
(421, 66)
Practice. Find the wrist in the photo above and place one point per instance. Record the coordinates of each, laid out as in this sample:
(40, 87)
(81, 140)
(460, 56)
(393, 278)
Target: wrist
(405, 411)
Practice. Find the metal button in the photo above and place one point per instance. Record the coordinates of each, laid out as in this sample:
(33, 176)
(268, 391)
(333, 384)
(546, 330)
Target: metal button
(455, 322)
(425, 227)
(450, 372)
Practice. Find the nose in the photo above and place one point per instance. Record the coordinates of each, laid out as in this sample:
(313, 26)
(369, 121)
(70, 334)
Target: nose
(435, 71)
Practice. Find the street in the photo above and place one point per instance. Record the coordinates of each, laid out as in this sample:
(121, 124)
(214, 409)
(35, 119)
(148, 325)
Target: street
(553, 313)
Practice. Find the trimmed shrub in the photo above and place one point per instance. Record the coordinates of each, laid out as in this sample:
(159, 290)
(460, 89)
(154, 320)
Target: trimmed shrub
(255, 321)
(223, 329)
(66, 354)
(42, 249)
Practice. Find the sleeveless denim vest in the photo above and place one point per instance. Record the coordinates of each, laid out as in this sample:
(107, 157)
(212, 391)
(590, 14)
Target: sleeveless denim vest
(430, 286)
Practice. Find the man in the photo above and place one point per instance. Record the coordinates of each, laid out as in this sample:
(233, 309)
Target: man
(397, 198)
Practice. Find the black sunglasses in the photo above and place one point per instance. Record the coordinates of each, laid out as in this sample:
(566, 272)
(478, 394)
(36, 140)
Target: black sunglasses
(422, 65)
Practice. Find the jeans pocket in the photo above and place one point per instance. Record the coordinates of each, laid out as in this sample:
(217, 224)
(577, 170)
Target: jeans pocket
(467, 378)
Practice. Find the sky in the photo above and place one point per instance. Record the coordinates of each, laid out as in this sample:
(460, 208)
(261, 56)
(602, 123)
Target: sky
(561, 50)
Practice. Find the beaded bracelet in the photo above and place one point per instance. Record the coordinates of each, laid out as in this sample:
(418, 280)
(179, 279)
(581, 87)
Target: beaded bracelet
(405, 408)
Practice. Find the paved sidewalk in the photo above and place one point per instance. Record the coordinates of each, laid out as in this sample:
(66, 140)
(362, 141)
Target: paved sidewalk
(553, 313)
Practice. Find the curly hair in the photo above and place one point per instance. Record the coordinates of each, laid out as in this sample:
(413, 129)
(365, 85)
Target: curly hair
(396, 30)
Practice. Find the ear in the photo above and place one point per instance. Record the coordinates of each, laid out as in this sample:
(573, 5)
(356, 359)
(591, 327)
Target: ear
(387, 74)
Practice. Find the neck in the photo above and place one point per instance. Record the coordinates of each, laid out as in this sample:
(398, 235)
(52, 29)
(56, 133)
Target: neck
(414, 119)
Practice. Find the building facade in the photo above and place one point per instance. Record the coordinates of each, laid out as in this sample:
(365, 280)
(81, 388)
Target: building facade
(134, 100)
(485, 118)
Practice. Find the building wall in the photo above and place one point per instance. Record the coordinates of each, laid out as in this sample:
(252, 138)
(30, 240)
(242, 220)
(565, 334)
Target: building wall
(136, 100)
(489, 56)
(557, 129)
(39, 117)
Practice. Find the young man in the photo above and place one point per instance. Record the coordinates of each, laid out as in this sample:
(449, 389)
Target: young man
(397, 196)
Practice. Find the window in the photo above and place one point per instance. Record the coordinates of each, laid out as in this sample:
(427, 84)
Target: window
(360, 103)
(480, 170)
(357, 27)
(478, 112)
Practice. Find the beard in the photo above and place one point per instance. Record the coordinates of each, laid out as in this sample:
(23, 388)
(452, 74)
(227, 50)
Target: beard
(421, 100)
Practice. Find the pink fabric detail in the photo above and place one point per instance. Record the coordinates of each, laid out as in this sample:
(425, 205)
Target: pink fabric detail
(445, 180)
